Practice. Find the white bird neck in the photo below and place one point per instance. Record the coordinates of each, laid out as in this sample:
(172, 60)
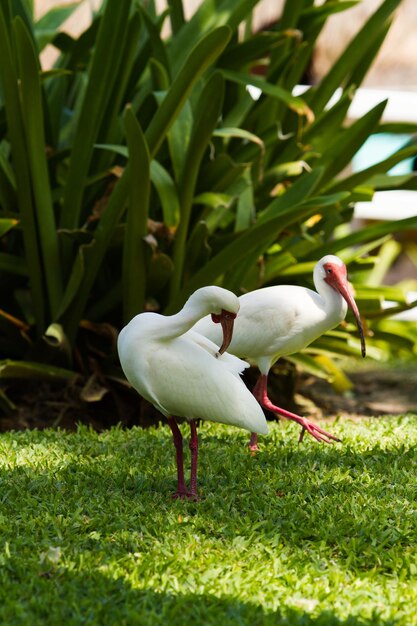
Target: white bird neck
(175, 325)
(334, 304)
(178, 324)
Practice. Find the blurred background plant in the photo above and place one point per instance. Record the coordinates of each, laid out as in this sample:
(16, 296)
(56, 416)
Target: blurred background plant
(140, 168)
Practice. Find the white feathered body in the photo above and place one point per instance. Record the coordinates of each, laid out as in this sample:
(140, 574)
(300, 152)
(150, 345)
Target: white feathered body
(278, 321)
(182, 376)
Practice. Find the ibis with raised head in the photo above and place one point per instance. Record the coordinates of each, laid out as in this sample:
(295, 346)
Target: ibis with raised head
(283, 319)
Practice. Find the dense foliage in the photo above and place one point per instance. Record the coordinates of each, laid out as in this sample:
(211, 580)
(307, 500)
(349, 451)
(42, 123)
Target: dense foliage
(140, 168)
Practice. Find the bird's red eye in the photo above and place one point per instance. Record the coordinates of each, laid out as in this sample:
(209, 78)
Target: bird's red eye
(224, 315)
(228, 315)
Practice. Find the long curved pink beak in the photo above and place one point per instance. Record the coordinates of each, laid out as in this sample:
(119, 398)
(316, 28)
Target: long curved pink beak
(227, 320)
(338, 280)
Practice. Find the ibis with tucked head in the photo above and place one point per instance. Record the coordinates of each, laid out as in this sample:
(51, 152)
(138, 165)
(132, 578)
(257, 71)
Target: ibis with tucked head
(185, 375)
(284, 319)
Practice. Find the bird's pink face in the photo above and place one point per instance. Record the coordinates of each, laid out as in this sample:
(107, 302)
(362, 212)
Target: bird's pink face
(336, 277)
(226, 319)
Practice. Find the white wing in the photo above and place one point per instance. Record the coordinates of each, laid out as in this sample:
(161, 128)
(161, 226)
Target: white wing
(230, 361)
(272, 322)
(183, 378)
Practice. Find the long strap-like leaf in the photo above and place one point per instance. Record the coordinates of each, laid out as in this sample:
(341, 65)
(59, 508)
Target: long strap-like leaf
(102, 75)
(134, 270)
(210, 15)
(200, 58)
(208, 111)
(351, 56)
(89, 258)
(236, 251)
(9, 81)
(32, 113)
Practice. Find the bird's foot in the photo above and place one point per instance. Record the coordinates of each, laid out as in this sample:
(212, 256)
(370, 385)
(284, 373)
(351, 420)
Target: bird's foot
(193, 497)
(185, 495)
(253, 444)
(179, 495)
(315, 431)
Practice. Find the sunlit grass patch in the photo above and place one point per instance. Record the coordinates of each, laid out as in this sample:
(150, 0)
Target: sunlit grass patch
(299, 534)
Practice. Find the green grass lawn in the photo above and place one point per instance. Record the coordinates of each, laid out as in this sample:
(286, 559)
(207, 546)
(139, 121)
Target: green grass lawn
(299, 535)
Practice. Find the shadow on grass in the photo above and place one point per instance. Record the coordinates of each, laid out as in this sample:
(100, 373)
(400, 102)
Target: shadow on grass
(104, 499)
(351, 501)
(63, 597)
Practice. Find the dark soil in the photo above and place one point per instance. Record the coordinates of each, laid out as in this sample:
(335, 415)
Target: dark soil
(98, 403)
(377, 391)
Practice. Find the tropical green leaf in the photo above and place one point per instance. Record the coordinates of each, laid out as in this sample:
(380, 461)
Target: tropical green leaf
(8, 196)
(351, 56)
(178, 138)
(214, 200)
(159, 53)
(261, 44)
(328, 123)
(221, 175)
(118, 149)
(6, 225)
(134, 268)
(245, 210)
(9, 82)
(310, 364)
(13, 264)
(210, 15)
(102, 77)
(296, 194)
(367, 174)
(176, 15)
(110, 130)
(401, 128)
(32, 113)
(89, 258)
(314, 14)
(46, 27)
(208, 110)
(359, 72)
(213, 186)
(167, 193)
(339, 153)
(241, 133)
(370, 233)
(34, 371)
(275, 264)
(332, 344)
(293, 102)
(234, 252)
(202, 55)
(385, 182)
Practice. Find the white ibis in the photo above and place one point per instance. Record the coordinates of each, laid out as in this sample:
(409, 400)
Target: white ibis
(187, 375)
(280, 320)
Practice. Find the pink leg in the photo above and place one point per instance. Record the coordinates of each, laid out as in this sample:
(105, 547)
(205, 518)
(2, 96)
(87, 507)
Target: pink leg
(261, 394)
(194, 459)
(253, 443)
(258, 393)
(176, 433)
